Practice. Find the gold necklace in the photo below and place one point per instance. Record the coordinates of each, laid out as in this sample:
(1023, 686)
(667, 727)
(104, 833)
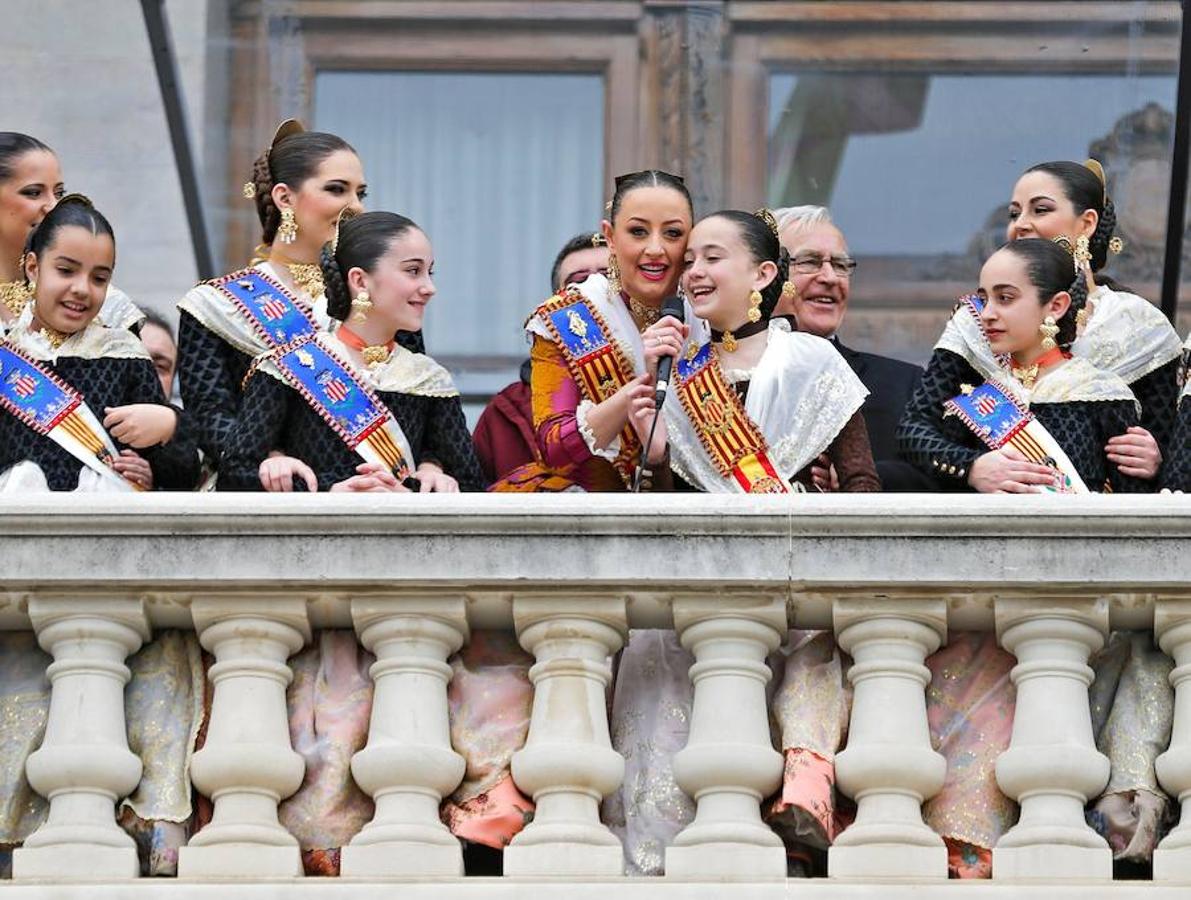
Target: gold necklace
(14, 295)
(643, 312)
(55, 337)
(308, 277)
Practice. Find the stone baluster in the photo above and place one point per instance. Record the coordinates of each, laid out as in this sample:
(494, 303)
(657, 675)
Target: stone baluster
(408, 765)
(729, 764)
(888, 766)
(568, 764)
(83, 764)
(247, 766)
(1172, 631)
(1052, 767)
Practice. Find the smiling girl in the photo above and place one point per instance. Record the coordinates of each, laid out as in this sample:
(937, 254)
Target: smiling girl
(57, 356)
(758, 403)
(301, 184)
(1116, 330)
(596, 345)
(308, 400)
(1031, 294)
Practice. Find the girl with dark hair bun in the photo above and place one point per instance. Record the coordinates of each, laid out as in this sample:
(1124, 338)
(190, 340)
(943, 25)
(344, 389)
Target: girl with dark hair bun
(378, 279)
(301, 185)
(1030, 296)
(57, 352)
(1118, 331)
(596, 346)
(30, 185)
(783, 397)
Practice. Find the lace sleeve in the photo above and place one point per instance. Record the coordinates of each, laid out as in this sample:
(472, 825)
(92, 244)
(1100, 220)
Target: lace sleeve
(254, 433)
(175, 464)
(1176, 474)
(208, 378)
(853, 458)
(448, 442)
(1158, 394)
(937, 447)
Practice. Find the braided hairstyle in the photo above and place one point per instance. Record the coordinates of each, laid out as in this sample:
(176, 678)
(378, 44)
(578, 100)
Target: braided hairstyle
(1085, 191)
(763, 246)
(292, 160)
(14, 145)
(363, 240)
(1051, 269)
(647, 178)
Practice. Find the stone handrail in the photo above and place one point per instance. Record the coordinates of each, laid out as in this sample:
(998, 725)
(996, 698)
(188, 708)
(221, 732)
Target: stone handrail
(254, 575)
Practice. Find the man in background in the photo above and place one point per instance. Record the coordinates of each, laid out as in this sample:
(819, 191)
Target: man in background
(821, 269)
(504, 437)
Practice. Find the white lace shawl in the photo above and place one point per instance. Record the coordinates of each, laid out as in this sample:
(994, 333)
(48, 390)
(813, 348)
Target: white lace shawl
(1125, 334)
(801, 395)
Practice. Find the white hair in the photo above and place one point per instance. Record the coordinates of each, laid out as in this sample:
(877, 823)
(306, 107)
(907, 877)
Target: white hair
(802, 216)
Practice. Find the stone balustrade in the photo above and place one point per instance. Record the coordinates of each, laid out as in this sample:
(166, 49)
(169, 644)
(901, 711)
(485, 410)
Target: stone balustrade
(255, 576)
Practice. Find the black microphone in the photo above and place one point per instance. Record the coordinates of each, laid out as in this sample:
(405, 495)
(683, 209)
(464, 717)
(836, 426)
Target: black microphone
(673, 306)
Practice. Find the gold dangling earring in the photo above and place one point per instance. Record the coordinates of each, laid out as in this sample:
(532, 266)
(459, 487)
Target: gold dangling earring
(287, 231)
(789, 290)
(1082, 253)
(1049, 329)
(361, 304)
(754, 313)
(613, 274)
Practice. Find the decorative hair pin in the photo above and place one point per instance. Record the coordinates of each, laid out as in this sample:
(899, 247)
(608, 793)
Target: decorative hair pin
(284, 130)
(766, 216)
(1098, 170)
(344, 214)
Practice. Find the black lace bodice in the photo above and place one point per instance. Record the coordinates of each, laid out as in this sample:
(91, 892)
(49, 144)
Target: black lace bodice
(103, 383)
(210, 372)
(1158, 393)
(1176, 474)
(945, 448)
(273, 416)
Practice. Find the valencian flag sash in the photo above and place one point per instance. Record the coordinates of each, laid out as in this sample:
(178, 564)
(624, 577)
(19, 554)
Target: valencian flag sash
(342, 400)
(54, 409)
(594, 358)
(733, 442)
(273, 313)
(995, 416)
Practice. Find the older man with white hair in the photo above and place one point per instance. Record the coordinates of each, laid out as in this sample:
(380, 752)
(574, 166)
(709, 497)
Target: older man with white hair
(821, 270)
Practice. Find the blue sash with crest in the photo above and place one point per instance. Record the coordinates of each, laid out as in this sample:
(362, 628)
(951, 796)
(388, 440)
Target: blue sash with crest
(273, 313)
(344, 402)
(996, 416)
(55, 410)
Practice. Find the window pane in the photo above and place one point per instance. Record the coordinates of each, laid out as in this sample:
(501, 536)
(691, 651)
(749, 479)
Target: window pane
(499, 169)
(917, 169)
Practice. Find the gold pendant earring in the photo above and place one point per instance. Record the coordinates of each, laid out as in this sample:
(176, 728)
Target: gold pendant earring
(789, 290)
(287, 231)
(1082, 253)
(754, 313)
(613, 274)
(361, 304)
(1049, 330)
